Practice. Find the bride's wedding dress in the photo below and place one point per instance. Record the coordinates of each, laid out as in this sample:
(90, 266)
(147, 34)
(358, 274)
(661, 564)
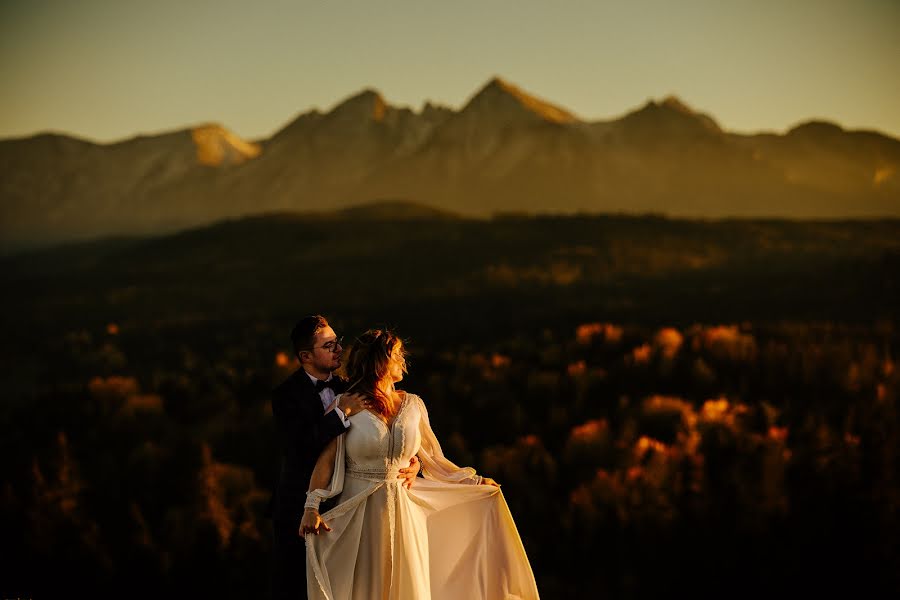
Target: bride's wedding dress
(446, 537)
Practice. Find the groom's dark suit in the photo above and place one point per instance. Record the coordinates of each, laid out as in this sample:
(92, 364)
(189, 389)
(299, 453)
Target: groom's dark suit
(304, 430)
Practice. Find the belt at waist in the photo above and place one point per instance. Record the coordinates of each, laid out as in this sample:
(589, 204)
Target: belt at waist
(374, 474)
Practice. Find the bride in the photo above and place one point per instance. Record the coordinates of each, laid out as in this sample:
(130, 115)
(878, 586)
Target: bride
(449, 536)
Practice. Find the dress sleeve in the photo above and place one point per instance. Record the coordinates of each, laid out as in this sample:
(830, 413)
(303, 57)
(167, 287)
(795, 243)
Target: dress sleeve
(435, 465)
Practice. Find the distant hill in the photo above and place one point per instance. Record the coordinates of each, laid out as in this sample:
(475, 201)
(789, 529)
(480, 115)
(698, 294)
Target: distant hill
(393, 210)
(440, 274)
(505, 150)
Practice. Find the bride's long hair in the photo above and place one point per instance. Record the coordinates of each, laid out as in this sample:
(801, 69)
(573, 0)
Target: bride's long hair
(369, 363)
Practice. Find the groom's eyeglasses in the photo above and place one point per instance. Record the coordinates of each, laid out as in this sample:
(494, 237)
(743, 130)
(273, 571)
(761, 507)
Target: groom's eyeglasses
(331, 346)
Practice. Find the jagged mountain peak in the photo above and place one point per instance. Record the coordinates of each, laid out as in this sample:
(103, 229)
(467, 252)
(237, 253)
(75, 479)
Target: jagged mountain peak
(675, 103)
(217, 146)
(430, 107)
(368, 103)
(499, 94)
(671, 113)
(364, 106)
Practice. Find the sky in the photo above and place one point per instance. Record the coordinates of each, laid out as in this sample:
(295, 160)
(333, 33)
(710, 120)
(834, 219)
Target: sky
(109, 70)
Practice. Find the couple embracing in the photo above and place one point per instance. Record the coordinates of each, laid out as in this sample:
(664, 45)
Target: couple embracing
(348, 509)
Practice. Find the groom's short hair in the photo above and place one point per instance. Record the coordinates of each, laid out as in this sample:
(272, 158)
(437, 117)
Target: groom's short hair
(303, 335)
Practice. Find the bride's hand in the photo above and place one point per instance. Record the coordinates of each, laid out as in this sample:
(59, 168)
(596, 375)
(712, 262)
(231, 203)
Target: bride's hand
(312, 522)
(489, 481)
(409, 473)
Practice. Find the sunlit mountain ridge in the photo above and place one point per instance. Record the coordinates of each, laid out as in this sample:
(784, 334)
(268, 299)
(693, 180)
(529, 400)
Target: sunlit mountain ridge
(505, 150)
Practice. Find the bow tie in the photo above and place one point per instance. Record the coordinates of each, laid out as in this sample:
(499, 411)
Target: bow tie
(321, 385)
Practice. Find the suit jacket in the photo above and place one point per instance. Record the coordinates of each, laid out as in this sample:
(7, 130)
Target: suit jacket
(304, 430)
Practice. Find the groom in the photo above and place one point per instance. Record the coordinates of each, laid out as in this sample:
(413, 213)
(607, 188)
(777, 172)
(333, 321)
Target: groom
(306, 422)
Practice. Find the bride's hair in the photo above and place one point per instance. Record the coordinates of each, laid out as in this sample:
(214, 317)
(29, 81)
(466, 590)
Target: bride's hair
(369, 363)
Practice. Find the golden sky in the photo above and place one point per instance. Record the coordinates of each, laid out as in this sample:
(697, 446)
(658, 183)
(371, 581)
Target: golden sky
(107, 70)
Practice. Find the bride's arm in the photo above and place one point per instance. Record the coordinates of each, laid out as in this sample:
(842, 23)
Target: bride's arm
(326, 481)
(324, 469)
(435, 465)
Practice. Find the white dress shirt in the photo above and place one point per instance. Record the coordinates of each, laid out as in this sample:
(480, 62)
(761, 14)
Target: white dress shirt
(327, 396)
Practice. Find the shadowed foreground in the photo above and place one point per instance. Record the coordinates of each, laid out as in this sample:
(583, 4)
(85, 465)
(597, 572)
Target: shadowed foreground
(707, 407)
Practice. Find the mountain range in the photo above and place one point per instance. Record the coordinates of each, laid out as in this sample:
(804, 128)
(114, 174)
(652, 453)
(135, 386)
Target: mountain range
(504, 151)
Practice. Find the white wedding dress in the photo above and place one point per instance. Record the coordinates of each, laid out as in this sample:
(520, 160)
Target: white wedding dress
(445, 538)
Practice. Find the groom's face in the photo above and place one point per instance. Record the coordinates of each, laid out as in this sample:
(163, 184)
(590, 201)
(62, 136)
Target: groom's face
(326, 353)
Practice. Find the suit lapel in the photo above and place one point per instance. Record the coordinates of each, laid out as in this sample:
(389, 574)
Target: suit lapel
(307, 393)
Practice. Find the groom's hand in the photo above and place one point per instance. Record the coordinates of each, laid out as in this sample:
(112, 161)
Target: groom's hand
(312, 522)
(353, 403)
(409, 473)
